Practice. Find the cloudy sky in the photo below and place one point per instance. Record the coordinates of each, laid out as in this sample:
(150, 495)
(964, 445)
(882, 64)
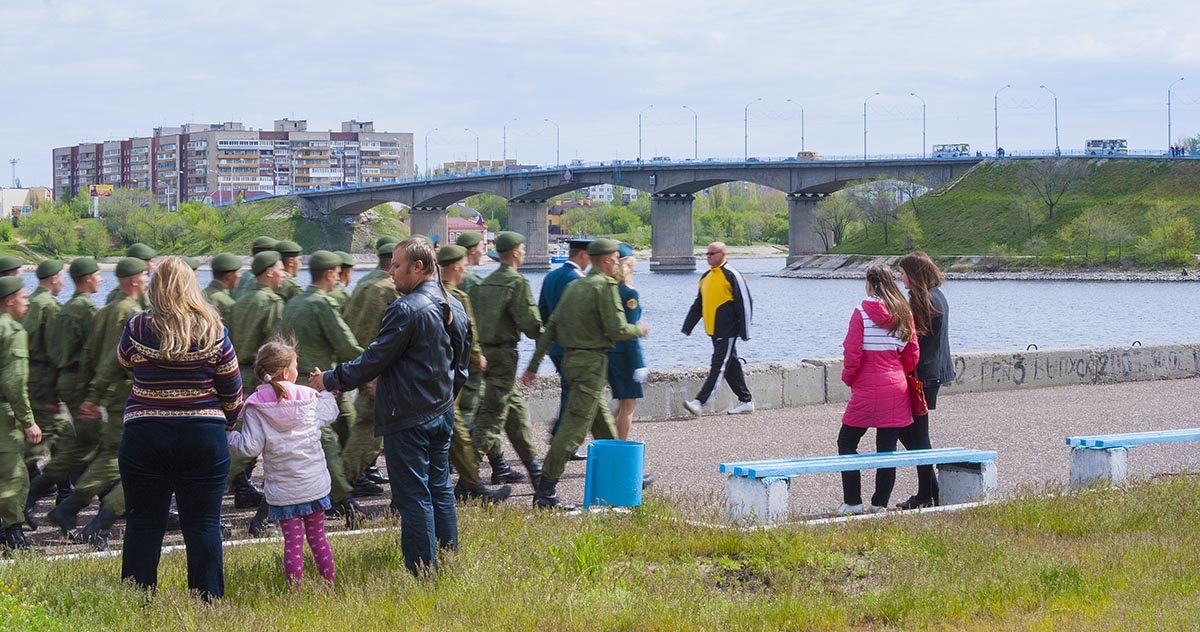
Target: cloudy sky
(75, 71)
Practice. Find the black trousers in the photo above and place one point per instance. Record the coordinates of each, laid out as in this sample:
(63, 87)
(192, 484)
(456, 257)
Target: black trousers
(725, 360)
(189, 459)
(916, 437)
(885, 478)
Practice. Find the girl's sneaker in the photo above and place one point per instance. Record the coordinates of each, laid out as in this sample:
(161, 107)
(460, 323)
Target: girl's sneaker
(849, 510)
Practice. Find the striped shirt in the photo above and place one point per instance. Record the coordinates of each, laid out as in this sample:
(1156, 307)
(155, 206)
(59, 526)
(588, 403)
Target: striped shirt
(204, 385)
(876, 338)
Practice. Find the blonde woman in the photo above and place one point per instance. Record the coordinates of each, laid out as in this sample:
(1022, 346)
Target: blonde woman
(187, 391)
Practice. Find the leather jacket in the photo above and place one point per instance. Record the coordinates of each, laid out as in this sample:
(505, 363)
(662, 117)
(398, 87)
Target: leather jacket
(420, 360)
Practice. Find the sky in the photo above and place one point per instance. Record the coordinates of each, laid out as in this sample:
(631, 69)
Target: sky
(82, 71)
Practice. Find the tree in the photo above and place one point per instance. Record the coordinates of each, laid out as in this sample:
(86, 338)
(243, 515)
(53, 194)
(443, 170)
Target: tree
(94, 240)
(53, 227)
(909, 187)
(202, 221)
(876, 202)
(1049, 180)
(1032, 213)
(834, 215)
(1170, 237)
(492, 207)
(908, 229)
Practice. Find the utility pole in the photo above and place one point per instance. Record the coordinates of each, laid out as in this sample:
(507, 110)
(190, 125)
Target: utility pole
(746, 129)
(695, 133)
(13, 162)
(1170, 141)
(996, 115)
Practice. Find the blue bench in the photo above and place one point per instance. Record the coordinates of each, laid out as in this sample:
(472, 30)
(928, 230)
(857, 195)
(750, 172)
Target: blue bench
(757, 491)
(1105, 458)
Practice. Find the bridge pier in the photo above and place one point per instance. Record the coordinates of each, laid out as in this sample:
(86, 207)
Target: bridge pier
(804, 232)
(429, 221)
(530, 218)
(672, 235)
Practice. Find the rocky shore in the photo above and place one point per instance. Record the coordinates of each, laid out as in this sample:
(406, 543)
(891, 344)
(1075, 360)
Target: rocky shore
(972, 268)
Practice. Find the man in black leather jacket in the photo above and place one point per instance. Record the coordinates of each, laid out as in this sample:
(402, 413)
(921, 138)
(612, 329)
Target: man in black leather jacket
(420, 359)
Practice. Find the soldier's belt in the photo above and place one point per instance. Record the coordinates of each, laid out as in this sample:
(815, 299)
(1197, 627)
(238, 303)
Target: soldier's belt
(604, 350)
(504, 345)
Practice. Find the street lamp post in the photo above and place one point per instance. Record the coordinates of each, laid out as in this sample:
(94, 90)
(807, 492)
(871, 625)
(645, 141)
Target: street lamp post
(1170, 141)
(996, 116)
(1057, 150)
(746, 129)
(476, 146)
(504, 145)
(557, 160)
(427, 152)
(640, 116)
(797, 104)
(865, 123)
(914, 95)
(695, 132)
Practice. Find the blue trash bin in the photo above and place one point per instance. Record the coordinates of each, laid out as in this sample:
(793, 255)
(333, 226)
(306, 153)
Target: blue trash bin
(614, 473)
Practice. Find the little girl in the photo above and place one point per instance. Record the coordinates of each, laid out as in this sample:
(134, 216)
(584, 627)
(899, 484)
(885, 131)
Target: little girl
(283, 422)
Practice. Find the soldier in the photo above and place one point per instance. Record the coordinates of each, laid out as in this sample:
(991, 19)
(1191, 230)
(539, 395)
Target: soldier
(225, 267)
(17, 425)
(505, 309)
(553, 286)
(109, 387)
(145, 253)
(10, 266)
(322, 340)
(589, 319)
(246, 283)
(43, 375)
(472, 391)
(69, 334)
(289, 253)
(192, 262)
(345, 278)
(463, 456)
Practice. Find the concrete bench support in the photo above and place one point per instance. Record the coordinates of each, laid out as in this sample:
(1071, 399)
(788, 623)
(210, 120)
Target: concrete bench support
(756, 500)
(1091, 466)
(960, 483)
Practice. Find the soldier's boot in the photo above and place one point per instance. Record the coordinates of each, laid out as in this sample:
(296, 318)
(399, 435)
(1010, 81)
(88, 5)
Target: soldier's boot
(14, 538)
(97, 531)
(65, 515)
(546, 496)
(482, 493)
(63, 491)
(39, 488)
(260, 525)
(502, 472)
(534, 467)
(245, 493)
(364, 486)
(354, 513)
(375, 476)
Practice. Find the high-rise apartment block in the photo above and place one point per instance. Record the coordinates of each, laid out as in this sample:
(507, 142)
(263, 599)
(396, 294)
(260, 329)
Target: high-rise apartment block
(199, 161)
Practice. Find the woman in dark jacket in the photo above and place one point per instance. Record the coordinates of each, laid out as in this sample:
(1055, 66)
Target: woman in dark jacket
(922, 278)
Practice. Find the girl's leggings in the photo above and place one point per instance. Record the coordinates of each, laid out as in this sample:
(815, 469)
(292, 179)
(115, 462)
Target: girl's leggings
(294, 531)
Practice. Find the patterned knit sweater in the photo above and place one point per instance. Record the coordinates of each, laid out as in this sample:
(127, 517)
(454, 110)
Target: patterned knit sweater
(205, 385)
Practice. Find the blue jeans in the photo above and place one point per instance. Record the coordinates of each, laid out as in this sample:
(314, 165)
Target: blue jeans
(186, 458)
(418, 462)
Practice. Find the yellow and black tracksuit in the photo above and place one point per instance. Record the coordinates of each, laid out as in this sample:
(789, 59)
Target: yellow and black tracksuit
(724, 303)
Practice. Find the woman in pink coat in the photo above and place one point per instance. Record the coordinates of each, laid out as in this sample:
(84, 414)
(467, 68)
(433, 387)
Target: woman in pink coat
(879, 349)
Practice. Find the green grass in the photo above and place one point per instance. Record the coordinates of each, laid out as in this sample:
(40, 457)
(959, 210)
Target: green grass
(1114, 559)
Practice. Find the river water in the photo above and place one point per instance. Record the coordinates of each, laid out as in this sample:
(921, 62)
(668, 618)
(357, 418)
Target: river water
(806, 318)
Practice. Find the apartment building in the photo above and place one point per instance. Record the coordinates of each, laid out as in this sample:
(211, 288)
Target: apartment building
(201, 161)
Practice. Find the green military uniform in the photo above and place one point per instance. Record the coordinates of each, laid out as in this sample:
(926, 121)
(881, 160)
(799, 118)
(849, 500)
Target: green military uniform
(289, 289)
(245, 285)
(15, 416)
(504, 309)
(219, 297)
(322, 339)
(364, 314)
(253, 320)
(463, 456)
(472, 391)
(340, 297)
(588, 320)
(136, 251)
(43, 376)
(70, 333)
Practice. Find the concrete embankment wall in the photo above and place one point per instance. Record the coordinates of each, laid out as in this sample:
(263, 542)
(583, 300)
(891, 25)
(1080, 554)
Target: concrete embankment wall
(819, 381)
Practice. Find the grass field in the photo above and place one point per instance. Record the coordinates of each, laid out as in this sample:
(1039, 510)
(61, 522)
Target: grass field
(1113, 559)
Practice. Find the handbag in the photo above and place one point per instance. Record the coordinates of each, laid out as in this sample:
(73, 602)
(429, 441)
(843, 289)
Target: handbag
(916, 395)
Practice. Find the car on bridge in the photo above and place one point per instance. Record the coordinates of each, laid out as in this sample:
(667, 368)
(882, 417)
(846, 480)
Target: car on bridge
(952, 150)
(807, 155)
(661, 159)
(1109, 147)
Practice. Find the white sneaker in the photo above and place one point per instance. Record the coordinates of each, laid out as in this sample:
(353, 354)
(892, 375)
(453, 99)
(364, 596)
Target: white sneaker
(743, 408)
(849, 510)
(693, 406)
(873, 509)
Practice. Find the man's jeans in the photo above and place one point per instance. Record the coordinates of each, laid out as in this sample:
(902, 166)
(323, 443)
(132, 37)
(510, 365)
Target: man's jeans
(418, 462)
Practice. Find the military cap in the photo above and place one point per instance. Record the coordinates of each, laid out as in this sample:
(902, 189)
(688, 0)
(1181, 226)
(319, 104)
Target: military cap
(141, 251)
(288, 248)
(469, 239)
(385, 249)
(49, 268)
(508, 240)
(263, 243)
(347, 260)
(447, 255)
(10, 285)
(264, 260)
(386, 239)
(10, 263)
(578, 244)
(192, 262)
(625, 249)
(130, 266)
(83, 266)
(323, 260)
(603, 246)
(226, 262)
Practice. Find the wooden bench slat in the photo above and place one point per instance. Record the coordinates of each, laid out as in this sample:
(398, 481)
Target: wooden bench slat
(1130, 439)
(842, 463)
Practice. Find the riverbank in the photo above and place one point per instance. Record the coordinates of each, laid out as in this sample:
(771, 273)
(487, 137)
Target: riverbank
(976, 268)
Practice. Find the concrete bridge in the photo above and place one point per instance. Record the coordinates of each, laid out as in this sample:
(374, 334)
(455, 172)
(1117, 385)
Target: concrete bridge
(672, 187)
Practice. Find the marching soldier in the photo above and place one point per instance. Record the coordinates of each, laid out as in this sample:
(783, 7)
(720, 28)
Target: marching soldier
(345, 277)
(225, 267)
(43, 374)
(246, 283)
(145, 253)
(17, 425)
(472, 391)
(11, 266)
(553, 286)
(289, 253)
(505, 309)
(588, 320)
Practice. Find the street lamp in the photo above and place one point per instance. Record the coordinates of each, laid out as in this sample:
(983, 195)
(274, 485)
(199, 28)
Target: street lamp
(504, 147)
(865, 123)
(427, 152)
(1170, 141)
(1057, 151)
(801, 122)
(557, 161)
(476, 145)
(914, 95)
(695, 132)
(996, 115)
(642, 112)
(746, 129)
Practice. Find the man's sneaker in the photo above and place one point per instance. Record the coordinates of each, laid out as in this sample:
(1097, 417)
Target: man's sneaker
(693, 406)
(849, 510)
(873, 509)
(743, 408)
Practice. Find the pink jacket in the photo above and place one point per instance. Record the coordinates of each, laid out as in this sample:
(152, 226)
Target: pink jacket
(874, 365)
